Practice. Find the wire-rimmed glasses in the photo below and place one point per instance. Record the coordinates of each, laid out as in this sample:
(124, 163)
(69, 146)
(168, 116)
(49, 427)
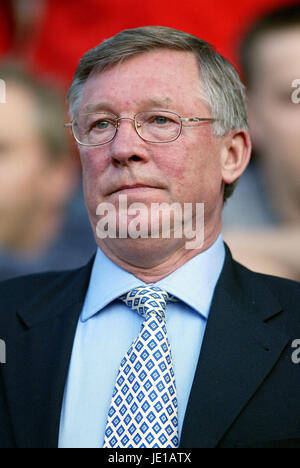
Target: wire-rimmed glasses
(154, 126)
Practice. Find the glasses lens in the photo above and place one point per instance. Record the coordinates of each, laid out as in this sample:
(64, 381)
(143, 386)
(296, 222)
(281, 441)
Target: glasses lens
(94, 129)
(158, 126)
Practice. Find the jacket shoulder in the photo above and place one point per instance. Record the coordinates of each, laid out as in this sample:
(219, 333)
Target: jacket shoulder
(41, 290)
(18, 290)
(41, 296)
(261, 287)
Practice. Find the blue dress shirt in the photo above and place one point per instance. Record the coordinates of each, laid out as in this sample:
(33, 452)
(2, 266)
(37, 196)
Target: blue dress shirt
(107, 327)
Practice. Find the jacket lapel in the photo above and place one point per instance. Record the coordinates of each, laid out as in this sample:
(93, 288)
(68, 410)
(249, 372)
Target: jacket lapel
(238, 351)
(42, 351)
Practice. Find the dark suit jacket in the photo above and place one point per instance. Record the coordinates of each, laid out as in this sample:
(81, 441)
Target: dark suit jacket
(246, 390)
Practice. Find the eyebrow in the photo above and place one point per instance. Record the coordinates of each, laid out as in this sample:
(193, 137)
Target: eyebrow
(100, 106)
(146, 104)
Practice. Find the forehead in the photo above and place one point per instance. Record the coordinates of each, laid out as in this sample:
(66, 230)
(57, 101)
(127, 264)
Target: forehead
(166, 78)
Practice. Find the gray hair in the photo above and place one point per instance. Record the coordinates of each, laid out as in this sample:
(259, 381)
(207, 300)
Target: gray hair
(224, 91)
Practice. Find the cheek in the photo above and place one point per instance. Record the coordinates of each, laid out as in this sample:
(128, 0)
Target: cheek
(93, 167)
(191, 167)
(171, 163)
(91, 160)
(174, 169)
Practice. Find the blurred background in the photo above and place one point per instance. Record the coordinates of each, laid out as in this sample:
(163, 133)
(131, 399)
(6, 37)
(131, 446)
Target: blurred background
(43, 224)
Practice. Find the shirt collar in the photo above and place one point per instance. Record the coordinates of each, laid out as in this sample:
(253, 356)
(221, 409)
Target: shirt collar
(193, 283)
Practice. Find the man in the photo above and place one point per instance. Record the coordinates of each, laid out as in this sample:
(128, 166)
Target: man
(159, 117)
(267, 234)
(38, 179)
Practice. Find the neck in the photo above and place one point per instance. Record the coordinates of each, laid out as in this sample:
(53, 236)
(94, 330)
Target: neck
(150, 260)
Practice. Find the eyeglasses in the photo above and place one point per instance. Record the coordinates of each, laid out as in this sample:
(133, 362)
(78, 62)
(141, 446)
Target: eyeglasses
(154, 126)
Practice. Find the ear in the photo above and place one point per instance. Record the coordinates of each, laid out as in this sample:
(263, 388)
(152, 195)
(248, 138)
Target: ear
(235, 155)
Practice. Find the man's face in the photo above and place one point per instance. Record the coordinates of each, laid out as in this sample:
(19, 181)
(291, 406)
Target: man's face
(273, 117)
(185, 170)
(22, 165)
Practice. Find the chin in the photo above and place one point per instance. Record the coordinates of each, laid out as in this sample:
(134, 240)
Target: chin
(141, 252)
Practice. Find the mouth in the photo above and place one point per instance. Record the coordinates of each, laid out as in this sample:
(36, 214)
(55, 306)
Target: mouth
(128, 188)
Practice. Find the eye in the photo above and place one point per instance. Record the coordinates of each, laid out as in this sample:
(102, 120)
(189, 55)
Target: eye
(102, 124)
(159, 119)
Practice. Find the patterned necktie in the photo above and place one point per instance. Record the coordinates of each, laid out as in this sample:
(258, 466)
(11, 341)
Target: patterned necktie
(143, 411)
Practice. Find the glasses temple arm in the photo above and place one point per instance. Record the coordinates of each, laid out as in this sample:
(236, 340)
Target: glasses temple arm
(197, 119)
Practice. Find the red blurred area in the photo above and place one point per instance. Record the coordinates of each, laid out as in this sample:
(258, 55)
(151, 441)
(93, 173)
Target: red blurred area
(6, 27)
(63, 30)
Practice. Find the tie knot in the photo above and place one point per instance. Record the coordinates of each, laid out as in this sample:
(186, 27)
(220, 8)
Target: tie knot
(147, 300)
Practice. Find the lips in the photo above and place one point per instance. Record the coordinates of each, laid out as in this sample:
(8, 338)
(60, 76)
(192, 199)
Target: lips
(133, 186)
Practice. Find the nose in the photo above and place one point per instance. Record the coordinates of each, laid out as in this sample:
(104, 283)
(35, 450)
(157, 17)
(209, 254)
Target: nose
(127, 146)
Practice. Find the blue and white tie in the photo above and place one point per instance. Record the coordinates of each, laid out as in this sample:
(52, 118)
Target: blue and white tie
(143, 411)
